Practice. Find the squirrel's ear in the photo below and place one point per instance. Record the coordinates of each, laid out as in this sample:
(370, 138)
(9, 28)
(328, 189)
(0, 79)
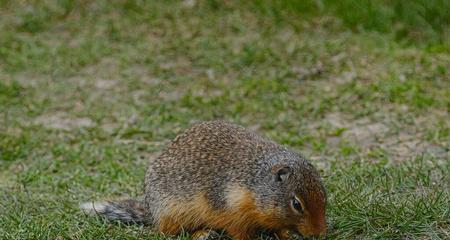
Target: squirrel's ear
(281, 173)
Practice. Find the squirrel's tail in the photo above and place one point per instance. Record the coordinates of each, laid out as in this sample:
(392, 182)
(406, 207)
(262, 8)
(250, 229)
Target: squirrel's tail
(128, 211)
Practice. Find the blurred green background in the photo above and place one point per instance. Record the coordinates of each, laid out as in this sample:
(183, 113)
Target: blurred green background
(90, 90)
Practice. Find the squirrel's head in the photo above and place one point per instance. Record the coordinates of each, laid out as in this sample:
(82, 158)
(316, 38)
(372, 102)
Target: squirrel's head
(303, 197)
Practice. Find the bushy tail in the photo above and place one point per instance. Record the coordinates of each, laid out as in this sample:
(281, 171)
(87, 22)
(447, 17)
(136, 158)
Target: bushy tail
(128, 211)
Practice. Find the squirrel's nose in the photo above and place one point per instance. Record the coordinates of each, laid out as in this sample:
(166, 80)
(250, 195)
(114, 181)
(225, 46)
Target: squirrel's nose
(313, 234)
(313, 231)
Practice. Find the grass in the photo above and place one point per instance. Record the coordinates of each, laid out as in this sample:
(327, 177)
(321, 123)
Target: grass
(90, 90)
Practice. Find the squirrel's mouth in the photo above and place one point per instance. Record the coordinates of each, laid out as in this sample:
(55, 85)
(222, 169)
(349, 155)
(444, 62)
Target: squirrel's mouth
(310, 232)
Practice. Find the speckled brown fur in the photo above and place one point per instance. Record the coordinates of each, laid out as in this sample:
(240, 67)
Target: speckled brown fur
(217, 175)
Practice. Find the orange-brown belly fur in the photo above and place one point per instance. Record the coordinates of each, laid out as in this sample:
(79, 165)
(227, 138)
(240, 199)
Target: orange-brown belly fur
(240, 218)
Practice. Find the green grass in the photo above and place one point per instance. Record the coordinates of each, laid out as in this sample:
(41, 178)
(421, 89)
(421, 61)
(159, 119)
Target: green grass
(90, 91)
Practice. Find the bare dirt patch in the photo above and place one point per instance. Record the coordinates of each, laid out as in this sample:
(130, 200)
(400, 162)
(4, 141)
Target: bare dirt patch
(366, 134)
(369, 135)
(404, 146)
(60, 121)
(104, 84)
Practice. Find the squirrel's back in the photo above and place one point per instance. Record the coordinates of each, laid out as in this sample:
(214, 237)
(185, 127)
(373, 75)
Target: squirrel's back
(208, 155)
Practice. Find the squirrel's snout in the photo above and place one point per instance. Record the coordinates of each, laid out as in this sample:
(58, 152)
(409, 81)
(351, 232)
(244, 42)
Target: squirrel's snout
(318, 230)
(314, 233)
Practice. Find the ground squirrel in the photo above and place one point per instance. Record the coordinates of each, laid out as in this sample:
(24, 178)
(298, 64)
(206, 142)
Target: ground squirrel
(220, 176)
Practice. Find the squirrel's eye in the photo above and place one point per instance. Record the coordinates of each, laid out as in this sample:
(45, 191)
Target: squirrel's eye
(297, 205)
